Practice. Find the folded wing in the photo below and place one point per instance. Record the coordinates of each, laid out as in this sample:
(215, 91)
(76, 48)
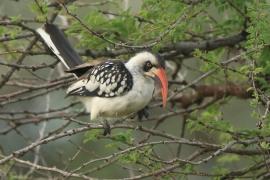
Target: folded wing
(108, 79)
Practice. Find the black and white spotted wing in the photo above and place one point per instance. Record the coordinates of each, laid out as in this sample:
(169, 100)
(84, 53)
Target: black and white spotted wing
(108, 79)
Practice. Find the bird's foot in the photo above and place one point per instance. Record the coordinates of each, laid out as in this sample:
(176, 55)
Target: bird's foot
(107, 128)
(143, 113)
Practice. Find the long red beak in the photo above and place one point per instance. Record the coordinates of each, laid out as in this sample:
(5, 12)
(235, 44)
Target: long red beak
(161, 74)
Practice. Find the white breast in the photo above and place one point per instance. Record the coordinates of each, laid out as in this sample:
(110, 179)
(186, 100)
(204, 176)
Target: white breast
(136, 99)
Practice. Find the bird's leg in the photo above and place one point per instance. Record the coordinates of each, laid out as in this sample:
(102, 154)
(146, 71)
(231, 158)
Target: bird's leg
(107, 128)
(143, 113)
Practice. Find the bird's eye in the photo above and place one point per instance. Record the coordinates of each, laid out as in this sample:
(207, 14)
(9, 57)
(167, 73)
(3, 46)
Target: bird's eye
(147, 66)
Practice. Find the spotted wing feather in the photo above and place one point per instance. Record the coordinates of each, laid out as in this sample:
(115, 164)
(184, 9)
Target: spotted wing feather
(108, 79)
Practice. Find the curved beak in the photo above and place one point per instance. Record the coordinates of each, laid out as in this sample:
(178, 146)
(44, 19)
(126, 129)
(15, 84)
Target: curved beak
(161, 74)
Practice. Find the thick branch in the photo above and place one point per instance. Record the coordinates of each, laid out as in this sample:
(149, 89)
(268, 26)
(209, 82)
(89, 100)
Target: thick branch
(182, 47)
(187, 47)
(216, 91)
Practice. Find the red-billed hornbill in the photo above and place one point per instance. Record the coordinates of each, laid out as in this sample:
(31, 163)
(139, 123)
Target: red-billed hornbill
(110, 89)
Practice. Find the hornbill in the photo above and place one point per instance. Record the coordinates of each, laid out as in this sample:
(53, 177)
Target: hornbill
(110, 89)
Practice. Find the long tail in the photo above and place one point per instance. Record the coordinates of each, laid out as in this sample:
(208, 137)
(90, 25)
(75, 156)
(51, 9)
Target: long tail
(55, 39)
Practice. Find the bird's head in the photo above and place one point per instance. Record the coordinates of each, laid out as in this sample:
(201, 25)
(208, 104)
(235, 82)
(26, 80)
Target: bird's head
(151, 66)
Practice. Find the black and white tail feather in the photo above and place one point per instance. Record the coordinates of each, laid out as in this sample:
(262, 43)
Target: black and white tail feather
(55, 39)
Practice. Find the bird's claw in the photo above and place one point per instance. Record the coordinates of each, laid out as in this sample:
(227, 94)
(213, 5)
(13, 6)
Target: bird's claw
(143, 113)
(107, 128)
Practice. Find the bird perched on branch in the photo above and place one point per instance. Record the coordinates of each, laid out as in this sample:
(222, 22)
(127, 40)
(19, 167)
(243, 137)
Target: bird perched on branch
(111, 89)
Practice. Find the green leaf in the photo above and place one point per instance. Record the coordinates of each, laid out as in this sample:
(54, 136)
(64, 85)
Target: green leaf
(125, 137)
(265, 145)
(228, 158)
(91, 135)
(131, 157)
